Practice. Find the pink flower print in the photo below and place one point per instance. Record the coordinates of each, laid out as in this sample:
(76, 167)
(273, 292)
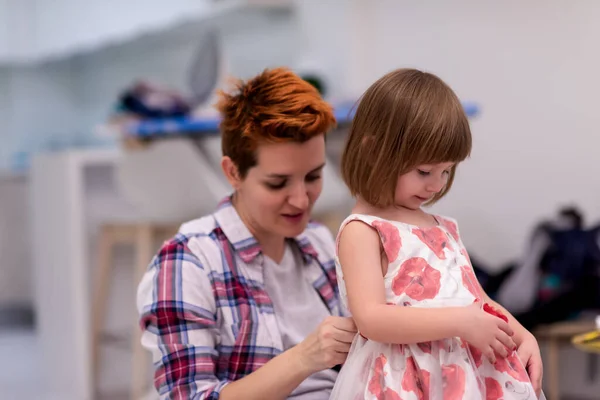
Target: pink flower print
(513, 367)
(390, 238)
(425, 347)
(453, 378)
(470, 281)
(435, 239)
(477, 355)
(417, 279)
(451, 227)
(377, 386)
(416, 380)
(493, 389)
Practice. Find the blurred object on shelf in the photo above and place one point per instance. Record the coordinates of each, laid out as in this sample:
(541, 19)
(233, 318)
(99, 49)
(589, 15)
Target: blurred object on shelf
(209, 125)
(145, 99)
(558, 276)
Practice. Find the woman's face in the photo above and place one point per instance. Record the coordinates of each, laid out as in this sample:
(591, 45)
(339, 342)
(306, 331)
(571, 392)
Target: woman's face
(277, 195)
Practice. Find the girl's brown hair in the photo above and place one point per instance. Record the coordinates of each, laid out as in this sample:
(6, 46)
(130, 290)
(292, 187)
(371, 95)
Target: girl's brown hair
(405, 119)
(275, 106)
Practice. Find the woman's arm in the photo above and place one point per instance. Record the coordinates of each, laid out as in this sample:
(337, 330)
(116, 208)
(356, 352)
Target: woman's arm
(527, 346)
(520, 331)
(274, 380)
(326, 347)
(179, 322)
(178, 317)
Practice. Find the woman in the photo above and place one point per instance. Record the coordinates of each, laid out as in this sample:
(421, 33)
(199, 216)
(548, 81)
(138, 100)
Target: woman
(243, 303)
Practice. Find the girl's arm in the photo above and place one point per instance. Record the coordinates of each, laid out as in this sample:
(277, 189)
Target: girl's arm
(360, 259)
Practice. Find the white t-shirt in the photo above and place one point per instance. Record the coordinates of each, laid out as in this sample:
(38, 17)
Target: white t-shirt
(299, 310)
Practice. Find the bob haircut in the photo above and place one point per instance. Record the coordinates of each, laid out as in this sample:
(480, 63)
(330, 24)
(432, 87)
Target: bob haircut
(405, 119)
(275, 106)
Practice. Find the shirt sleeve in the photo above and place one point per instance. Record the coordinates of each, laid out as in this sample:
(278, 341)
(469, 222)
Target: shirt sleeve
(178, 318)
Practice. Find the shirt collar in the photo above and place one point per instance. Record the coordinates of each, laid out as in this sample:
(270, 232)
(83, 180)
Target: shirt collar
(244, 242)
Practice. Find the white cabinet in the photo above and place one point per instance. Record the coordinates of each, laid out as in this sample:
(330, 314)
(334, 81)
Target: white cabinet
(69, 192)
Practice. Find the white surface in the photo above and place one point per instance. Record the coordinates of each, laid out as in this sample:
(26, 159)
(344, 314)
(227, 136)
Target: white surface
(530, 66)
(51, 31)
(62, 268)
(170, 180)
(22, 377)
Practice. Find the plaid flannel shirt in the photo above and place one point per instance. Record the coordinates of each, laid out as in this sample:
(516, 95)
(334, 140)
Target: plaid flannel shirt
(205, 314)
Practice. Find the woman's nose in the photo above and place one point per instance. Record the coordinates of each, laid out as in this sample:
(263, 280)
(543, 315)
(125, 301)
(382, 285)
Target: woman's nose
(299, 197)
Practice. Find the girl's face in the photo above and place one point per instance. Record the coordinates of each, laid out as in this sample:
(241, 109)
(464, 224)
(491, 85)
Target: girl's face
(419, 185)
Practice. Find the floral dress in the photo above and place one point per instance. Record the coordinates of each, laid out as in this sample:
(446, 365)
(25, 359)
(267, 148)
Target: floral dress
(428, 267)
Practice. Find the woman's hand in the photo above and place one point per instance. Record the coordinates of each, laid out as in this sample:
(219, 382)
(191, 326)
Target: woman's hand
(486, 332)
(328, 345)
(529, 353)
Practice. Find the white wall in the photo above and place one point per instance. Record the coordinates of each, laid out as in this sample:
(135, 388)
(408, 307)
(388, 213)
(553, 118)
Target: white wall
(533, 68)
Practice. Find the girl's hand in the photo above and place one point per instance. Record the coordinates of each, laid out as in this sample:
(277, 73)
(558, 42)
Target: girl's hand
(488, 333)
(328, 345)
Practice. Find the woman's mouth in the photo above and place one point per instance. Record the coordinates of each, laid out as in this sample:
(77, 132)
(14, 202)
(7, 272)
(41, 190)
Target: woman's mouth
(293, 218)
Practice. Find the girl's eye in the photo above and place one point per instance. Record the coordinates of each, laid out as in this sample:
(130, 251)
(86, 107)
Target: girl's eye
(423, 173)
(312, 178)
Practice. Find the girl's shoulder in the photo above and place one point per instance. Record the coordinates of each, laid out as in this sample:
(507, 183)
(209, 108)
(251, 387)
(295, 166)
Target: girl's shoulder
(385, 226)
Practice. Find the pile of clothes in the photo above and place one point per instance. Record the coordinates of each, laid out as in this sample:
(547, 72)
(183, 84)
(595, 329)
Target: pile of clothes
(557, 279)
(148, 100)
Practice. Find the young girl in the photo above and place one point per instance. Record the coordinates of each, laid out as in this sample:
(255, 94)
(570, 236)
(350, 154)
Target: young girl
(427, 329)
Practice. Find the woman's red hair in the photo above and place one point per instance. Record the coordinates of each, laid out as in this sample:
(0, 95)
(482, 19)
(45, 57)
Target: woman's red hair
(275, 106)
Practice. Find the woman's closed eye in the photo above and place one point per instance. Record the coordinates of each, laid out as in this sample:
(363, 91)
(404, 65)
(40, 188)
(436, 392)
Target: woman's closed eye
(313, 178)
(276, 185)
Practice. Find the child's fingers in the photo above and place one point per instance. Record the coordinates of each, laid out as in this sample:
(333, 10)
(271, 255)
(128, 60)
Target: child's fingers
(506, 340)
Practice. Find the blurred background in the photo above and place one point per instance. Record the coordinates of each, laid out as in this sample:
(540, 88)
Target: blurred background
(109, 143)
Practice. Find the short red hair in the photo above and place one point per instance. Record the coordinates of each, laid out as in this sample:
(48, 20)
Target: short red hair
(274, 106)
